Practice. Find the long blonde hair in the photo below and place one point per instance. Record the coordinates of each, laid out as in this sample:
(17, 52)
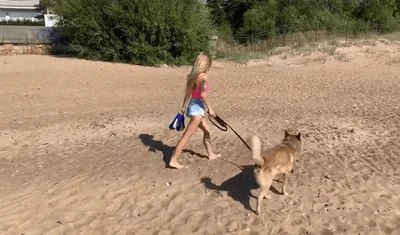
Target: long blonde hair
(201, 65)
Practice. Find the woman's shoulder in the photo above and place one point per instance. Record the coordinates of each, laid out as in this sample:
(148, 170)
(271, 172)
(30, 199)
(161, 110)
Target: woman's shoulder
(203, 76)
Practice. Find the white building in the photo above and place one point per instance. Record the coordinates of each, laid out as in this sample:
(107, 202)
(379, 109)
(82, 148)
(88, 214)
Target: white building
(13, 10)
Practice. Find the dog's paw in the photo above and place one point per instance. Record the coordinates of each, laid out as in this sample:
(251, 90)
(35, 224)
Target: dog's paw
(267, 196)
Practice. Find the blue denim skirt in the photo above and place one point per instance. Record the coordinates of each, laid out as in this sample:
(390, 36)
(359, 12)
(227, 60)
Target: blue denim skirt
(195, 107)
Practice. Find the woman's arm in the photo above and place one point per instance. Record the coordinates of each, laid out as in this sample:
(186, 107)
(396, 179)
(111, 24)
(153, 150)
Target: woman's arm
(204, 96)
(185, 100)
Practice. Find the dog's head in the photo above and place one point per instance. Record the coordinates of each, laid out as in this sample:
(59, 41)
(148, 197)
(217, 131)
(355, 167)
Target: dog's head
(294, 140)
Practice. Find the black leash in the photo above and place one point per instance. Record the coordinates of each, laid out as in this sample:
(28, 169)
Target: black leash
(223, 126)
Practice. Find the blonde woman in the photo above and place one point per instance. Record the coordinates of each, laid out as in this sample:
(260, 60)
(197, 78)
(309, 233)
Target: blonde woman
(195, 102)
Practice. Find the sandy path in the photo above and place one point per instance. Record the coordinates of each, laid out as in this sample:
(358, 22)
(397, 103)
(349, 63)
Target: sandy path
(82, 147)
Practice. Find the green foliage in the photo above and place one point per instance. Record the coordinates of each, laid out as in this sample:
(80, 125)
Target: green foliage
(380, 13)
(217, 11)
(225, 33)
(262, 17)
(285, 16)
(150, 32)
(291, 16)
(235, 10)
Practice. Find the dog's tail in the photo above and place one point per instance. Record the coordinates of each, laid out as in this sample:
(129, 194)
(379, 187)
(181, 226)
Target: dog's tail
(256, 150)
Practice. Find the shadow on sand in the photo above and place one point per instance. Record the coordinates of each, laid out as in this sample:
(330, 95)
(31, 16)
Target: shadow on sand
(239, 186)
(167, 151)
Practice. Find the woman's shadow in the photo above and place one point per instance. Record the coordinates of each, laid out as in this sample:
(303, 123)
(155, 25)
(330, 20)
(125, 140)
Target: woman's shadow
(167, 151)
(238, 187)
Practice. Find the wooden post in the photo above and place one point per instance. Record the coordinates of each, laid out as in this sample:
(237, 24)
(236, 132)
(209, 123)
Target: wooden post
(284, 35)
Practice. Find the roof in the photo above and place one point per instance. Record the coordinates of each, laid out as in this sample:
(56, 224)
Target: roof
(19, 4)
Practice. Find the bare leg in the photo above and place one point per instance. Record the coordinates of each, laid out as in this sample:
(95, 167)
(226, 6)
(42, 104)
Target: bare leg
(264, 191)
(190, 130)
(285, 182)
(207, 139)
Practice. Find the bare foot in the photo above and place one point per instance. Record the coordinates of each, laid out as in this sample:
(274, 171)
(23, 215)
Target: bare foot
(175, 164)
(214, 156)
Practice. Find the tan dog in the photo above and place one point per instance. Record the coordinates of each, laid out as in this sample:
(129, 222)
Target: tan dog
(274, 161)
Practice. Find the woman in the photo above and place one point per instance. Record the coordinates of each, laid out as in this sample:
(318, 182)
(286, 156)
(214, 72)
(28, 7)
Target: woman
(196, 101)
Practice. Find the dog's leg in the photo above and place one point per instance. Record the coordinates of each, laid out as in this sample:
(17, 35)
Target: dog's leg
(285, 182)
(260, 198)
(264, 192)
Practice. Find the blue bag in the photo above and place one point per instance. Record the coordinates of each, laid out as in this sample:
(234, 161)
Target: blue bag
(178, 123)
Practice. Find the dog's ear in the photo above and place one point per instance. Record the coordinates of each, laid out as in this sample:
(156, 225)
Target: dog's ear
(298, 136)
(286, 133)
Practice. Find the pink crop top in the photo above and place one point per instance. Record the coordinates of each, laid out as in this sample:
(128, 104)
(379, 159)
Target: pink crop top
(197, 93)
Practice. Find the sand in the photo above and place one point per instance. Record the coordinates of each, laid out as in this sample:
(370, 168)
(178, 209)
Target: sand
(83, 145)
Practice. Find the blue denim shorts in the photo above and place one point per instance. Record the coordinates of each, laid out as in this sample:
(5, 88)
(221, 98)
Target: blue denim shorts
(195, 107)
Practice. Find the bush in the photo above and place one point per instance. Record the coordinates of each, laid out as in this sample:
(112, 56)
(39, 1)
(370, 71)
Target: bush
(265, 19)
(150, 32)
(260, 18)
(225, 33)
(23, 22)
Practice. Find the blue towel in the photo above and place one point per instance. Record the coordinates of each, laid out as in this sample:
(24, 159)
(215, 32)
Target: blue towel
(178, 123)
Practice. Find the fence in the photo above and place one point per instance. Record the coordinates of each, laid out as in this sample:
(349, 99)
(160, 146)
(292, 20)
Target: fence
(289, 35)
(280, 36)
(16, 34)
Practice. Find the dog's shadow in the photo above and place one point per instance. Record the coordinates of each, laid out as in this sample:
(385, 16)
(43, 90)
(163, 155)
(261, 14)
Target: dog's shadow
(239, 186)
(167, 151)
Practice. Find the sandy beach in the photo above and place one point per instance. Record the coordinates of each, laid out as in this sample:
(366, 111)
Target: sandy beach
(83, 146)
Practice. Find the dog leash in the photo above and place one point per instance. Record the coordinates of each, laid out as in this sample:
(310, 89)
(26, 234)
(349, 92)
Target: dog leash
(223, 126)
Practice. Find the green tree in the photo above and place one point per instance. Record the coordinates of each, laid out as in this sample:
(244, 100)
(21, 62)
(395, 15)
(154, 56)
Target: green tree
(235, 10)
(291, 19)
(141, 32)
(217, 11)
(379, 13)
(262, 17)
(397, 12)
(218, 16)
(253, 16)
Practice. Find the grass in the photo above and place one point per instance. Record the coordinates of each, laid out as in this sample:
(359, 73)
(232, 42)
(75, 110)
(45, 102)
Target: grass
(240, 57)
(244, 53)
(341, 57)
(392, 36)
(328, 49)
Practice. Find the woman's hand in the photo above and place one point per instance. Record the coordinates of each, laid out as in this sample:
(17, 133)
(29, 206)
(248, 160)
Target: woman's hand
(182, 111)
(211, 113)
